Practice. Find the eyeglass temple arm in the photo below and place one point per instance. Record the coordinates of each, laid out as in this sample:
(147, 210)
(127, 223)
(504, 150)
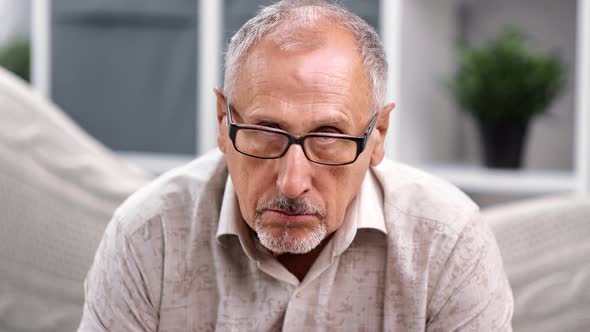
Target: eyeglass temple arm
(371, 127)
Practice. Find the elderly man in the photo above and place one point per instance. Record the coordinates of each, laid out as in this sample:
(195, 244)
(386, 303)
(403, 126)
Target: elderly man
(299, 224)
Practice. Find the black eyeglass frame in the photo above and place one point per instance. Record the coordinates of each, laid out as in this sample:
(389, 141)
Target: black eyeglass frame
(361, 141)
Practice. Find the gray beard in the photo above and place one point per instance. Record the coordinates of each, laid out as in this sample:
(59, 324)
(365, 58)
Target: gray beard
(285, 242)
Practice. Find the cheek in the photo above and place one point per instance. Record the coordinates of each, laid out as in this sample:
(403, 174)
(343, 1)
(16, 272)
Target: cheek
(250, 180)
(339, 185)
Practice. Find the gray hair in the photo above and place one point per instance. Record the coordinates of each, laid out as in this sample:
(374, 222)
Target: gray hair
(304, 13)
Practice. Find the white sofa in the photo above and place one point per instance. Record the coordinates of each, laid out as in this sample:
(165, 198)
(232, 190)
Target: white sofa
(59, 187)
(545, 245)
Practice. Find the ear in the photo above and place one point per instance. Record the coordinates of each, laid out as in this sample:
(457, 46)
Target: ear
(379, 132)
(221, 114)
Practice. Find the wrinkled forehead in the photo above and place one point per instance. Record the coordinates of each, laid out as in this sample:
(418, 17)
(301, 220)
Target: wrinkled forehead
(321, 61)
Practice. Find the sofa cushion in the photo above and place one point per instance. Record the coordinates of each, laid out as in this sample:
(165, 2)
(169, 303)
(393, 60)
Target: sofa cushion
(545, 244)
(58, 189)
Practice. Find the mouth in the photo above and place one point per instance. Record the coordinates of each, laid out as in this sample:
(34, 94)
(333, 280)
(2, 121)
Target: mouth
(288, 216)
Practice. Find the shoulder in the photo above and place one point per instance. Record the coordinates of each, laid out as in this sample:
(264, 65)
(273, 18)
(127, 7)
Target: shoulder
(177, 192)
(423, 196)
(149, 242)
(434, 224)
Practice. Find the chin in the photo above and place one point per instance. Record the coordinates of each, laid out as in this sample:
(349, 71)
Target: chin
(290, 238)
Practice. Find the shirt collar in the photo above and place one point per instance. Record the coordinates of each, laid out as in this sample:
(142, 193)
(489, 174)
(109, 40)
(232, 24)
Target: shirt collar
(232, 223)
(364, 212)
(230, 219)
(371, 204)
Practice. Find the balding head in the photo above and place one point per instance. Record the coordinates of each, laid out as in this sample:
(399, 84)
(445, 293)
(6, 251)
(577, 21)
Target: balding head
(299, 25)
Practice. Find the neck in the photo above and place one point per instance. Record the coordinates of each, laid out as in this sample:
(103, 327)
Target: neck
(299, 264)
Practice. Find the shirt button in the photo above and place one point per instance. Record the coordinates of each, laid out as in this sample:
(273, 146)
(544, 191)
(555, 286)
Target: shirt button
(298, 295)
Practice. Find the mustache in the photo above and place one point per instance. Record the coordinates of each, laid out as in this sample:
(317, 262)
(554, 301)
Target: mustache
(291, 206)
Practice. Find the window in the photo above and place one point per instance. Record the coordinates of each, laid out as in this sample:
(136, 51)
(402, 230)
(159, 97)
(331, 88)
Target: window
(126, 73)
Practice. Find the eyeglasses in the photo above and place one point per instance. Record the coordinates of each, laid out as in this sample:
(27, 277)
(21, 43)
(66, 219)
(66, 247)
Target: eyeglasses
(322, 148)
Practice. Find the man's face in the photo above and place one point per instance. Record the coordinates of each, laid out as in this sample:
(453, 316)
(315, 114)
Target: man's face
(291, 202)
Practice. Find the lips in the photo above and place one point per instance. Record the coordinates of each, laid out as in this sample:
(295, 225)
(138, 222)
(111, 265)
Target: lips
(289, 213)
(288, 216)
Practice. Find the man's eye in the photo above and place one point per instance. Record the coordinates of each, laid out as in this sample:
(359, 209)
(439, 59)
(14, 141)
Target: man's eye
(328, 130)
(325, 140)
(268, 124)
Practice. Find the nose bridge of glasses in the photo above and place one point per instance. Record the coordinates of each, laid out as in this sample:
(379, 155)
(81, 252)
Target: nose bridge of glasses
(294, 173)
(296, 147)
(297, 141)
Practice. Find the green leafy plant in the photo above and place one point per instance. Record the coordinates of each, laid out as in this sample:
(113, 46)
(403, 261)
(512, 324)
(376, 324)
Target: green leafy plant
(503, 81)
(15, 56)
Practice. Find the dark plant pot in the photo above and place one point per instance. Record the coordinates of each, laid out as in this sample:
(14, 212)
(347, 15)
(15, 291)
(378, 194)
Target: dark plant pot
(502, 143)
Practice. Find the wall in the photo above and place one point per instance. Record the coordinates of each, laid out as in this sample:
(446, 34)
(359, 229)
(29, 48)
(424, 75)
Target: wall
(428, 120)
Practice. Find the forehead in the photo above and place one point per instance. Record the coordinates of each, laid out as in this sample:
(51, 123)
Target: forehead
(305, 69)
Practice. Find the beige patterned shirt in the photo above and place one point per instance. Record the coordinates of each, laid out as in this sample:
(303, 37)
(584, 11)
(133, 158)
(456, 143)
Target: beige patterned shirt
(412, 255)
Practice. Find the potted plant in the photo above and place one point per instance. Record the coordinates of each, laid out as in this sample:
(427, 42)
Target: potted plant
(15, 57)
(503, 85)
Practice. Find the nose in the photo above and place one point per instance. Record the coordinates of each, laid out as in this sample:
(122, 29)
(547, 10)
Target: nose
(294, 174)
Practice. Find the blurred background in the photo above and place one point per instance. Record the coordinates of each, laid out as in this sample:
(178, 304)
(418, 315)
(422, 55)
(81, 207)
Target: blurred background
(104, 95)
(138, 76)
